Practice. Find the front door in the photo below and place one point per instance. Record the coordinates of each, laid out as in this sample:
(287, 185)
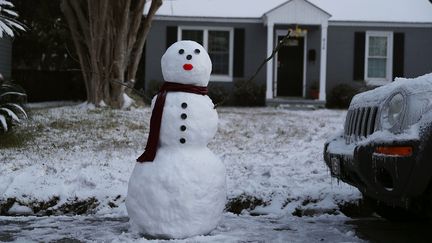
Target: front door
(290, 67)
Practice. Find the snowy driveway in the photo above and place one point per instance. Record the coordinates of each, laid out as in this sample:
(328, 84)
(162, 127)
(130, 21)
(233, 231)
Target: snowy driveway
(233, 228)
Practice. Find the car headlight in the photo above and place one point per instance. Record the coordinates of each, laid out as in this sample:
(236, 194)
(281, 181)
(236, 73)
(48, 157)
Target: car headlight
(393, 112)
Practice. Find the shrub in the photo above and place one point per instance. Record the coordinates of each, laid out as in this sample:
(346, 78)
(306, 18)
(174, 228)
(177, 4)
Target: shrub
(219, 95)
(341, 95)
(12, 98)
(8, 22)
(248, 93)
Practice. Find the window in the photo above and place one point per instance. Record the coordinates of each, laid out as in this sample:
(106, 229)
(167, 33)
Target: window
(219, 44)
(195, 35)
(378, 57)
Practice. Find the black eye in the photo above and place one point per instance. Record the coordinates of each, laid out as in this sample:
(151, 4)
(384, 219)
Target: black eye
(181, 51)
(197, 51)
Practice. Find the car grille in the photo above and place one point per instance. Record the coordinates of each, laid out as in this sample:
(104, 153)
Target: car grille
(360, 123)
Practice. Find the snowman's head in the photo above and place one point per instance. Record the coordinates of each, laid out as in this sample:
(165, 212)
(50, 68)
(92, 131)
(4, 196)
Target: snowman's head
(186, 62)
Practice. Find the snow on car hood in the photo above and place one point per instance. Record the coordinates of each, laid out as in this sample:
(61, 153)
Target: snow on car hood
(408, 85)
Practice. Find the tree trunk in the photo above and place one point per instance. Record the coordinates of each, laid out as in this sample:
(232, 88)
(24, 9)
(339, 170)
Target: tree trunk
(109, 37)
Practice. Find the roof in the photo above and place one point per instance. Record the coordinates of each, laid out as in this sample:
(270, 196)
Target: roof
(409, 11)
(400, 11)
(218, 8)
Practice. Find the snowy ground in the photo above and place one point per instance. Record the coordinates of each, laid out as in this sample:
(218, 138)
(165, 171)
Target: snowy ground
(233, 228)
(75, 160)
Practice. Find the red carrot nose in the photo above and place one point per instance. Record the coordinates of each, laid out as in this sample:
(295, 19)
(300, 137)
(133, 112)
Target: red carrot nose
(187, 67)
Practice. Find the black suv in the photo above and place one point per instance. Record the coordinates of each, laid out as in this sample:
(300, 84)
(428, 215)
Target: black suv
(385, 149)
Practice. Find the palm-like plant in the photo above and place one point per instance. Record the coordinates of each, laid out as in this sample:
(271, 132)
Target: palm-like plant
(12, 98)
(8, 22)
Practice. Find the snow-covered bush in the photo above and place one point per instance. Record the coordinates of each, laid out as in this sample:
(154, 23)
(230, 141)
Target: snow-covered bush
(11, 110)
(8, 23)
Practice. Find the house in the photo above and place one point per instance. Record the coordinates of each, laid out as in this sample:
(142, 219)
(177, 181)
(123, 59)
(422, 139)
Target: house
(5, 56)
(334, 41)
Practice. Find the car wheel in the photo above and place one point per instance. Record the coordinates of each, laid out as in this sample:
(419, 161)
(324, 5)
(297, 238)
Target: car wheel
(424, 205)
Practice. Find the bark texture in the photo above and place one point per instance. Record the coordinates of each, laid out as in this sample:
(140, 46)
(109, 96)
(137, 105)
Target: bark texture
(109, 37)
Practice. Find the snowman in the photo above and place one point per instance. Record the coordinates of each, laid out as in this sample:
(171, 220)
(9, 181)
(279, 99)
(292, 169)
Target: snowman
(178, 189)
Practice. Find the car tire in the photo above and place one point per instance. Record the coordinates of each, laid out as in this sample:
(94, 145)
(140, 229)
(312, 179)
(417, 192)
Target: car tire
(424, 205)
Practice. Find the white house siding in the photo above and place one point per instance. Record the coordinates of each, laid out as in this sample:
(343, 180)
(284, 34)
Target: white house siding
(5, 56)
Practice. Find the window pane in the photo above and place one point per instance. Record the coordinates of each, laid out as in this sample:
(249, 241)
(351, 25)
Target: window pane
(377, 67)
(377, 46)
(218, 49)
(195, 35)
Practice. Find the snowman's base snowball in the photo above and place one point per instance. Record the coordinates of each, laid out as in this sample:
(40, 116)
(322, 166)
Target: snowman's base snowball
(182, 193)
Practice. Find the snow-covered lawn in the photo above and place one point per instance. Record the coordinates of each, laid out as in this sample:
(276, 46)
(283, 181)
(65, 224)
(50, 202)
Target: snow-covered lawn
(74, 160)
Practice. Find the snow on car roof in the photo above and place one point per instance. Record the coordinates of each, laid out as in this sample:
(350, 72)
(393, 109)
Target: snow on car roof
(410, 11)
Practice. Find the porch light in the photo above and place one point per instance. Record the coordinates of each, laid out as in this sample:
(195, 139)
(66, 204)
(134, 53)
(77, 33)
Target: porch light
(297, 32)
(401, 151)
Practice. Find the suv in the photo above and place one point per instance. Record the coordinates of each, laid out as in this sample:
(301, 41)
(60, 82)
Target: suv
(385, 149)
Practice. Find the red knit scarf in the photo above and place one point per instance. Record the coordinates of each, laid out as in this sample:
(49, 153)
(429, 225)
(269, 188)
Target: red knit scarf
(156, 117)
